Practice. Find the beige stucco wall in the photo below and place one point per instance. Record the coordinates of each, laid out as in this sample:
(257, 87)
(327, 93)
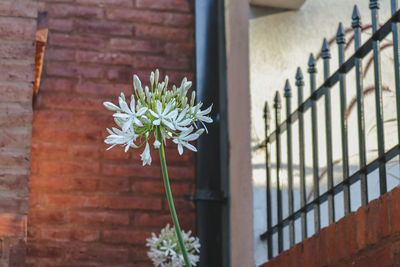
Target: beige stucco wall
(279, 42)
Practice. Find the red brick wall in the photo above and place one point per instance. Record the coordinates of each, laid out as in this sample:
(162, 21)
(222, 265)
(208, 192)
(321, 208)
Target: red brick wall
(88, 206)
(368, 237)
(17, 57)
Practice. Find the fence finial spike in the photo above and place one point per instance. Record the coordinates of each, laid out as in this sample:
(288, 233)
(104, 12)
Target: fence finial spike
(267, 114)
(373, 4)
(277, 100)
(311, 64)
(356, 23)
(288, 89)
(340, 35)
(325, 50)
(299, 77)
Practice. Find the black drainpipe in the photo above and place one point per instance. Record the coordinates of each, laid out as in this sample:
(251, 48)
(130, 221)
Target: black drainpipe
(212, 195)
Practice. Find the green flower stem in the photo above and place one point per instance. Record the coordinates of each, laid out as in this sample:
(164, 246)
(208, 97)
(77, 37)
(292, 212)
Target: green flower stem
(170, 199)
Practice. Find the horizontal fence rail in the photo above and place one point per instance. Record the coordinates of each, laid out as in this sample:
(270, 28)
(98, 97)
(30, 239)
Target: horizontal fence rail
(274, 140)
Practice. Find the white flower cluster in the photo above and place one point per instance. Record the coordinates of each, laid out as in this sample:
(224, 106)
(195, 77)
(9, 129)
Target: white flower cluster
(165, 250)
(170, 110)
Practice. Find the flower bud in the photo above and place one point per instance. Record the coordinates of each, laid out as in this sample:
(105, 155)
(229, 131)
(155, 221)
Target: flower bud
(192, 99)
(157, 74)
(152, 79)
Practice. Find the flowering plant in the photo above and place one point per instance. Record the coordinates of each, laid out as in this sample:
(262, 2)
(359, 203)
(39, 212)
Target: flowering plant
(164, 114)
(165, 250)
(154, 108)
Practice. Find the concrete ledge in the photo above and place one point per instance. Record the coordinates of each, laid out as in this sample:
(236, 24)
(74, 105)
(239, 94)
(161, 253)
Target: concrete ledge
(287, 4)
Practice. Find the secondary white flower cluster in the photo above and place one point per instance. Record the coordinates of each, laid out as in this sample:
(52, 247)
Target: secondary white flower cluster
(165, 250)
(157, 107)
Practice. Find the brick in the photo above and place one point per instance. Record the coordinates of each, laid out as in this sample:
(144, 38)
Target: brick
(12, 225)
(395, 207)
(100, 254)
(15, 92)
(373, 222)
(16, 51)
(68, 167)
(176, 77)
(310, 248)
(99, 218)
(178, 20)
(52, 117)
(65, 234)
(115, 185)
(109, 89)
(361, 226)
(101, 3)
(46, 216)
(130, 170)
(57, 84)
(121, 75)
(18, 9)
(71, 10)
(144, 61)
(85, 151)
(125, 236)
(104, 58)
(384, 224)
(60, 25)
(132, 45)
(60, 54)
(74, 71)
(163, 33)
(69, 200)
(157, 188)
(40, 182)
(132, 15)
(158, 221)
(14, 138)
(17, 29)
(84, 184)
(104, 28)
(330, 241)
(47, 251)
(76, 41)
(179, 5)
(16, 71)
(14, 114)
(127, 202)
(179, 49)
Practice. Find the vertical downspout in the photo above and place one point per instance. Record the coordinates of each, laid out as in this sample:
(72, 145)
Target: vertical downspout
(212, 157)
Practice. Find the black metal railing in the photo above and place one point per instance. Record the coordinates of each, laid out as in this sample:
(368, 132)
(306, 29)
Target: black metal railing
(354, 63)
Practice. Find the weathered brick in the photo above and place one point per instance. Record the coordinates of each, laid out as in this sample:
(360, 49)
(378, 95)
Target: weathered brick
(69, 200)
(179, 5)
(111, 89)
(361, 227)
(68, 167)
(132, 15)
(126, 236)
(104, 58)
(61, 25)
(60, 54)
(179, 49)
(373, 222)
(76, 41)
(47, 251)
(19, 51)
(57, 84)
(15, 92)
(127, 44)
(25, 9)
(116, 184)
(163, 33)
(12, 225)
(99, 218)
(100, 254)
(72, 10)
(16, 71)
(17, 29)
(157, 187)
(142, 61)
(104, 28)
(120, 3)
(74, 71)
(47, 216)
(178, 20)
(395, 208)
(68, 234)
(134, 202)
